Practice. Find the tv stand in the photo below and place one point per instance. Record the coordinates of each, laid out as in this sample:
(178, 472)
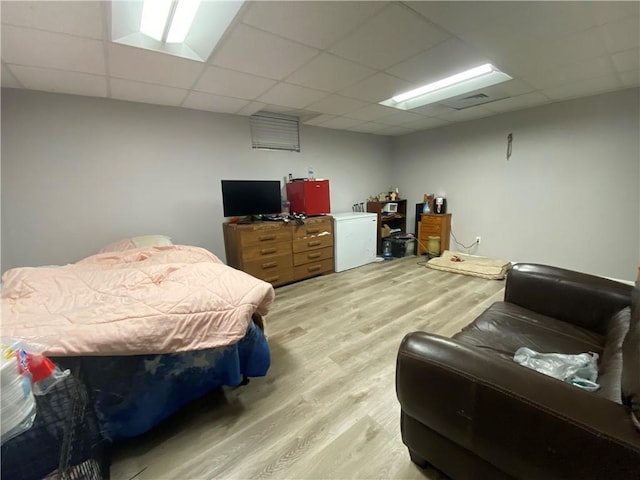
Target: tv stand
(281, 252)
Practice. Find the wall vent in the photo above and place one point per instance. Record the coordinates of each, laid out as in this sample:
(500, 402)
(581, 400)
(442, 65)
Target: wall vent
(476, 98)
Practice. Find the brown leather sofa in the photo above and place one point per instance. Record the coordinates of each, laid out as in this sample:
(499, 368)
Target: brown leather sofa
(470, 411)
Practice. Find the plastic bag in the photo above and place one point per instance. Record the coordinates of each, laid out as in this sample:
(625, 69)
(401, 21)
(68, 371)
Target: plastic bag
(580, 370)
(41, 371)
(18, 409)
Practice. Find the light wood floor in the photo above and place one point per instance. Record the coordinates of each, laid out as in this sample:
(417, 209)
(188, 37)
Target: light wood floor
(327, 407)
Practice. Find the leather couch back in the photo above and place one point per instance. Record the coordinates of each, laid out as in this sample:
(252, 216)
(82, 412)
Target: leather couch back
(547, 290)
(631, 360)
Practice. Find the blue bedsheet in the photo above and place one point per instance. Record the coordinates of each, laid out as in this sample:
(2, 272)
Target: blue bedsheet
(134, 393)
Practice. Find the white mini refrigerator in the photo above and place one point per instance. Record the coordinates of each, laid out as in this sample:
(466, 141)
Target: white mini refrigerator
(355, 237)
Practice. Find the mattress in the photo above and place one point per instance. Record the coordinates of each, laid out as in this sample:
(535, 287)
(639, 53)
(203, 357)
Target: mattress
(483, 267)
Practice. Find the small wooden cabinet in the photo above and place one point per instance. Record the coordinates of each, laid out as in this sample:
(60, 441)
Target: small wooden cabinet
(395, 219)
(434, 225)
(278, 252)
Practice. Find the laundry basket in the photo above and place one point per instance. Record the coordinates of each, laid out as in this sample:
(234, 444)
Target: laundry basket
(64, 441)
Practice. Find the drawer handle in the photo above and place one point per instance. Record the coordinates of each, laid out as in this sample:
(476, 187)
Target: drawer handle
(269, 265)
(267, 251)
(314, 243)
(313, 268)
(314, 255)
(313, 230)
(272, 279)
(266, 238)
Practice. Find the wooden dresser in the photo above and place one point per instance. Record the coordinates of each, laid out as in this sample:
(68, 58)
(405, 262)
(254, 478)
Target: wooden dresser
(434, 225)
(279, 252)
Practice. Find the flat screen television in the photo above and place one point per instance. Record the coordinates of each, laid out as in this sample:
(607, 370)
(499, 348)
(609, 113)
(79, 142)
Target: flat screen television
(250, 197)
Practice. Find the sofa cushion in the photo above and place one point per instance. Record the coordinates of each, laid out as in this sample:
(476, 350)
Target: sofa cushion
(631, 360)
(505, 327)
(610, 363)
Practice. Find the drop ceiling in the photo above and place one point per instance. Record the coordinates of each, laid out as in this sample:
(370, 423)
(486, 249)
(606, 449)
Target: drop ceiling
(330, 63)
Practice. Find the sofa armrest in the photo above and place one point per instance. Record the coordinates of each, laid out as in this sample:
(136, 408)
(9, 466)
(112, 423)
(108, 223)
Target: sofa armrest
(579, 298)
(525, 423)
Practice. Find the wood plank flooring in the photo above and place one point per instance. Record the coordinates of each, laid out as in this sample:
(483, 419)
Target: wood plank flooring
(327, 408)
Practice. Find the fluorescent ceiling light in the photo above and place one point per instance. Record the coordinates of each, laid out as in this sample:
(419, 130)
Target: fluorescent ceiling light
(458, 84)
(184, 28)
(154, 17)
(168, 20)
(182, 20)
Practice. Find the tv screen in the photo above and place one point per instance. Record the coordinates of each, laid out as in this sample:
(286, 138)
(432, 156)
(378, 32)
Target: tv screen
(250, 197)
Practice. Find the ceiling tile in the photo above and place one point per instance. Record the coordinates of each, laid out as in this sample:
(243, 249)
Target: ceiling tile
(320, 119)
(59, 81)
(628, 60)
(146, 93)
(400, 118)
(368, 127)
(572, 72)
(395, 131)
(330, 73)
(606, 12)
(431, 110)
(35, 48)
(221, 81)
(445, 59)
(318, 24)
(377, 88)
(292, 96)
(341, 123)
(372, 112)
(213, 103)
(461, 17)
(630, 78)
(466, 114)
(336, 105)
(516, 103)
(377, 43)
(8, 79)
(622, 34)
(260, 53)
(553, 20)
(83, 19)
(584, 87)
(152, 67)
(577, 47)
(251, 108)
(425, 123)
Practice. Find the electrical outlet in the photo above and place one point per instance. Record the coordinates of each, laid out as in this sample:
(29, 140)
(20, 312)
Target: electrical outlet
(478, 240)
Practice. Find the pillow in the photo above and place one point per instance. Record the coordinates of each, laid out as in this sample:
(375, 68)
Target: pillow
(610, 362)
(137, 242)
(631, 360)
(118, 246)
(152, 241)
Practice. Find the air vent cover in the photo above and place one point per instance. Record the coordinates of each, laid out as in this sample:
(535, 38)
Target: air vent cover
(474, 98)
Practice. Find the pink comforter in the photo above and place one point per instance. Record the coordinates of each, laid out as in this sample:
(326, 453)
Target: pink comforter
(132, 302)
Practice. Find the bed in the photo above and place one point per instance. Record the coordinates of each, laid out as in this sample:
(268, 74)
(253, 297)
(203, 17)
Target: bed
(151, 327)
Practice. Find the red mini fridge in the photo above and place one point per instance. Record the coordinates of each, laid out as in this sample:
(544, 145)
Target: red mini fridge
(310, 197)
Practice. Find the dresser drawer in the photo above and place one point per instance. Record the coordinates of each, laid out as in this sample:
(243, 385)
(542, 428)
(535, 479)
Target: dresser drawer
(313, 227)
(430, 229)
(314, 268)
(251, 238)
(312, 255)
(269, 267)
(278, 277)
(431, 219)
(266, 250)
(312, 243)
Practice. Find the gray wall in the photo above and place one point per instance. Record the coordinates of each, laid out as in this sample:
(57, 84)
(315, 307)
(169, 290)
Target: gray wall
(569, 195)
(80, 172)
